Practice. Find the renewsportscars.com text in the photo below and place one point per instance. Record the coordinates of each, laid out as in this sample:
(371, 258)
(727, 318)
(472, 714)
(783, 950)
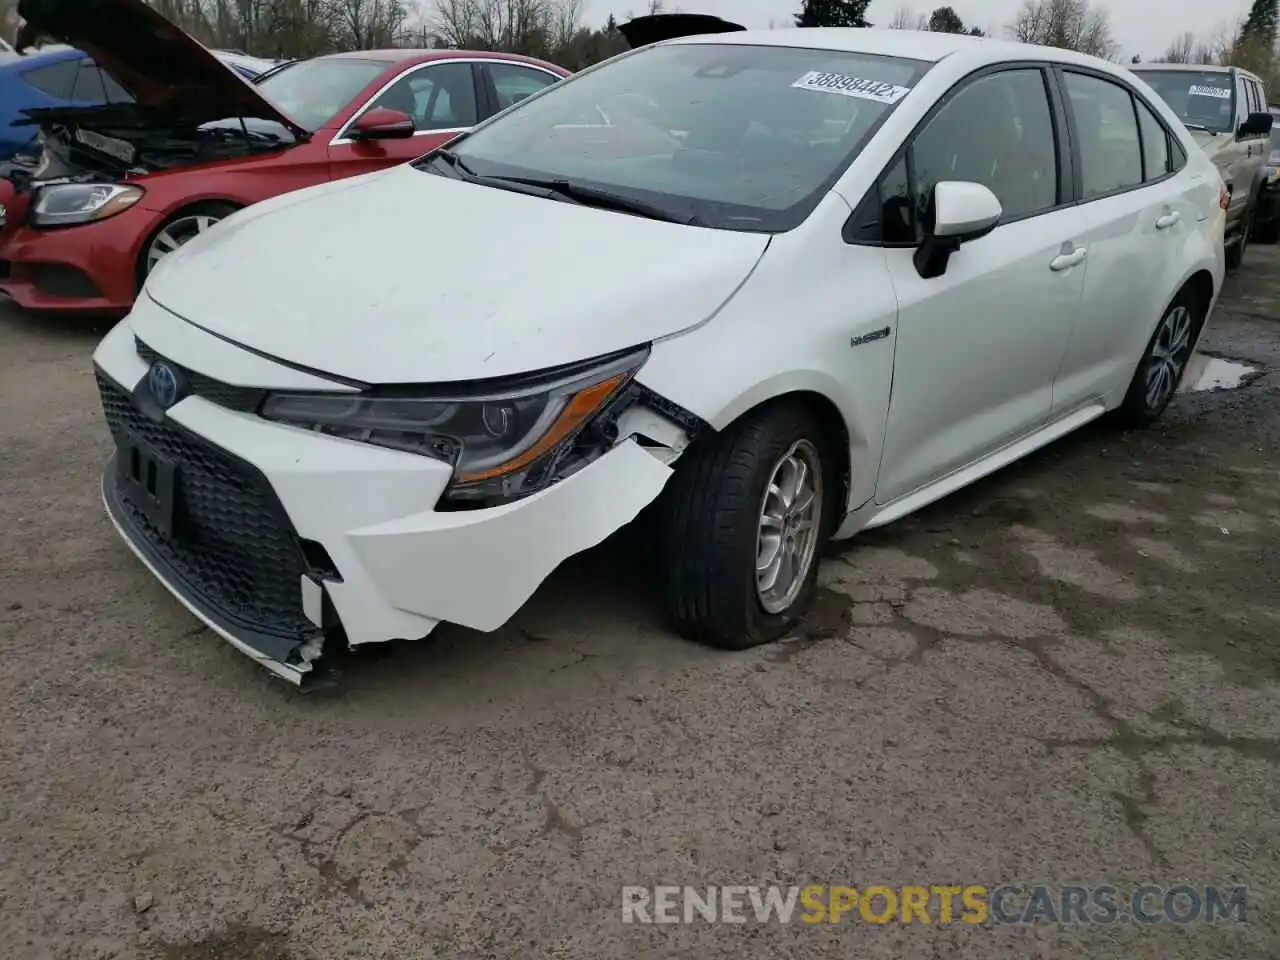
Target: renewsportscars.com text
(936, 904)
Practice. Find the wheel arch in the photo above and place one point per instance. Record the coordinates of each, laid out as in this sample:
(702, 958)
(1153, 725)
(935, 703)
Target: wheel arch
(832, 423)
(1200, 283)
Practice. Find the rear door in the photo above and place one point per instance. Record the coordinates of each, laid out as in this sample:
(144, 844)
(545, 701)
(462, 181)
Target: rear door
(443, 97)
(506, 82)
(1140, 213)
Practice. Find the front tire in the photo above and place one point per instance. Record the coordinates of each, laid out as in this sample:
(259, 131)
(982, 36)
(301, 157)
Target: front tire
(1164, 361)
(745, 521)
(1269, 231)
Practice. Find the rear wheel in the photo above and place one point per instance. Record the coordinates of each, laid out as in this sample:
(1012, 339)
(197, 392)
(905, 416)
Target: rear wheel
(178, 230)
(1160, 370)
(745, 520)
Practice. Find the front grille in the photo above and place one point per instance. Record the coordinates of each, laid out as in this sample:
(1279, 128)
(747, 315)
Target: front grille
(232, 546)
(244, 399)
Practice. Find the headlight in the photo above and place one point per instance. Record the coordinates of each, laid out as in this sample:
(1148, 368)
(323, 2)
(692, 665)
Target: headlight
(503, 442)
(63, 204)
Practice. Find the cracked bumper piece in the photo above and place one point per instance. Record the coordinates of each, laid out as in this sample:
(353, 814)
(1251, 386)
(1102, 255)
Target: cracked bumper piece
(275, 537)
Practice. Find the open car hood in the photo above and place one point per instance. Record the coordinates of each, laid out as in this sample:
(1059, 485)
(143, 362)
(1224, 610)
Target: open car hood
(657, 27)
(161, 67)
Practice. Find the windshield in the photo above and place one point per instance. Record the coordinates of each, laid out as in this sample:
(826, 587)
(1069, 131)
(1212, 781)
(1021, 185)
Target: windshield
(1204, 99)
(747, 137)
(313, 91)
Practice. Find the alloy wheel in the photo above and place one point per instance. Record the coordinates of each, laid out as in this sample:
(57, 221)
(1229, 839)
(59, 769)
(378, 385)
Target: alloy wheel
(1169, 354)
(787, 535)
(174, 235)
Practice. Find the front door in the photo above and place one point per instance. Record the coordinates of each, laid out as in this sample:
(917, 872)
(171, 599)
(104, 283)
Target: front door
(443, 100)
(977, 347)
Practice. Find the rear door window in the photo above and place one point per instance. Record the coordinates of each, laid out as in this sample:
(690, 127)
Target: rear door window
(513, 82)
(1253, 103)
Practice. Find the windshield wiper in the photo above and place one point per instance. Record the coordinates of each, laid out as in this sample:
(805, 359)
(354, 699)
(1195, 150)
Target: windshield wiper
(455, 161)
(567, 189)
(605, 199)
(1196, 126)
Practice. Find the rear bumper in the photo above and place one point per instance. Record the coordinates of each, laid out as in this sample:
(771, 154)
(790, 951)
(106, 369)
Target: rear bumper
(391, 566)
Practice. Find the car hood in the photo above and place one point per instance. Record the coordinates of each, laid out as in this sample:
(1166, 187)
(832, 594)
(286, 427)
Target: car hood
(657, 27)
(403, 276)
(161, 67)
(1209, 143)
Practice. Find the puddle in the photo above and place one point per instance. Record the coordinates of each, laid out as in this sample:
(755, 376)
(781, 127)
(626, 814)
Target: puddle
(1214, 373)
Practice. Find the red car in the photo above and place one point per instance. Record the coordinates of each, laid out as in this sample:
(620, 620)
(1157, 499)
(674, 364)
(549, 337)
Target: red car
(119, 186)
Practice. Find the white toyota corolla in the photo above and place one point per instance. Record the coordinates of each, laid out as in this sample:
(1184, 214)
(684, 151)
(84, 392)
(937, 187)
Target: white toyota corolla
(790, 285)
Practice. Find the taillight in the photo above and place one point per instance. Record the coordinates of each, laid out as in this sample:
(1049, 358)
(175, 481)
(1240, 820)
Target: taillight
(1224, 198)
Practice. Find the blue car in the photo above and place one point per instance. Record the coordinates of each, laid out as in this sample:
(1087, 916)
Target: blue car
(63, 77)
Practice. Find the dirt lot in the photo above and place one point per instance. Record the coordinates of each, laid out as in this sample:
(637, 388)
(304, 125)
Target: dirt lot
(1068, 674)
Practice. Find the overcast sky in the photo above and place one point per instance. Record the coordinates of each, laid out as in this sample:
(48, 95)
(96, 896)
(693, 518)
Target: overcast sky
(1143, 27)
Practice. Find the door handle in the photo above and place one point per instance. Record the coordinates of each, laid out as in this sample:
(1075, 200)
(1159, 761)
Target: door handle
(1065, 261)
(1165, 221)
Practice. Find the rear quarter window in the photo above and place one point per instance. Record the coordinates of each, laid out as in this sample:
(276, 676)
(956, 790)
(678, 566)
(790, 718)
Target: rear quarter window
(94, 85)
(57, 80)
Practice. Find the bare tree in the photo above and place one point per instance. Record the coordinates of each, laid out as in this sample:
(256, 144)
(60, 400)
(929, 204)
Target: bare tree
(455, 21)
(551, 29)
(1181, 50)
(565, 20)
(1069, 24)
(906, 19)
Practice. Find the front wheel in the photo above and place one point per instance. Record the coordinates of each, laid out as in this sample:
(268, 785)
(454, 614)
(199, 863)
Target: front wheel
(179, 229)
(745, 520)
(1269, 230)
(1160, 370)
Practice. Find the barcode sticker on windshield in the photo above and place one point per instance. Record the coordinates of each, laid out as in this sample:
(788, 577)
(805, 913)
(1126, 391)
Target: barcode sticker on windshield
(848, 86)
(1219, 93)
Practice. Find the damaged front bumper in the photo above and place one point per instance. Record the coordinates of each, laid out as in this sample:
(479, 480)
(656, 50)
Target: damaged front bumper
(285, 541)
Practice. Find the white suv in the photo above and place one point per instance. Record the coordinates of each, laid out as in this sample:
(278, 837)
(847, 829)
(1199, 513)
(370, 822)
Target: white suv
(1225, 109)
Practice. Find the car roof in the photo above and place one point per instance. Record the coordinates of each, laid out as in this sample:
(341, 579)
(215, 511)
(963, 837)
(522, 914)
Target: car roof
(403, 54)
(41, 57)
(1189, 68)
(911, 44)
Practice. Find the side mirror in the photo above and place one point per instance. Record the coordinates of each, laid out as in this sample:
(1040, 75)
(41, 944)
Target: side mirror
(1256, 125)
(959, 212)
(382, 123)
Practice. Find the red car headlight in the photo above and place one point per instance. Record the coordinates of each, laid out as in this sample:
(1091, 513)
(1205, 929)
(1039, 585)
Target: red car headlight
(67, 204)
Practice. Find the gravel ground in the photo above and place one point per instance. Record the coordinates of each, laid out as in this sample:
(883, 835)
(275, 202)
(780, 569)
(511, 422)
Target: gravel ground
(1067, 674)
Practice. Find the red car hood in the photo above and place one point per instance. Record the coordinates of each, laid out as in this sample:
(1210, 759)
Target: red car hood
(163, 68)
